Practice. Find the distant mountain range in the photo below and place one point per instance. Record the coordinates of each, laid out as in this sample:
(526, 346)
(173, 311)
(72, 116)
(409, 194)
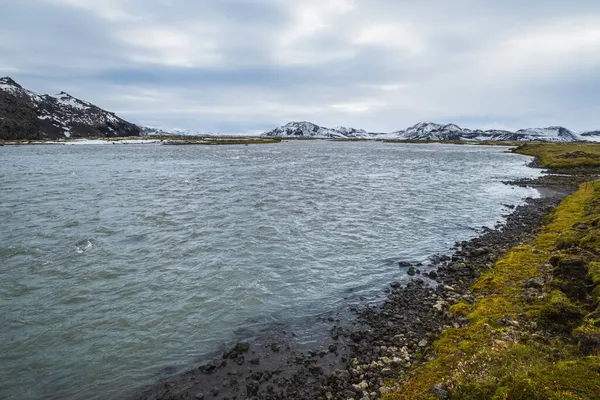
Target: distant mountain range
(152, 131)
(25, 114)
(28, 115)
(427, 131)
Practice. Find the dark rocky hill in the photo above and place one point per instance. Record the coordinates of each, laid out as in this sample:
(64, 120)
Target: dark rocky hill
(28, 115)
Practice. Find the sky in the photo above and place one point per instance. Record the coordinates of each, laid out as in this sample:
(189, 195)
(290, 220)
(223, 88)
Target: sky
(252, 65)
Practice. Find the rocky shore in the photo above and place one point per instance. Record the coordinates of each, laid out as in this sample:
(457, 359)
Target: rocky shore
(359, 358)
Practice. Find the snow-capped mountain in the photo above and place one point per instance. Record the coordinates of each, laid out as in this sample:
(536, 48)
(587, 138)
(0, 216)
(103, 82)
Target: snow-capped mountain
(28, 115)
(310, 130)
(550, 134)
(429, 131)
(592, 136)
(152, 131)
(452, 132)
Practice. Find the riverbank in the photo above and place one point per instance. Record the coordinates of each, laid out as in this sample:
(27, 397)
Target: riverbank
(532, 327)
(162, 140)
(376, 354)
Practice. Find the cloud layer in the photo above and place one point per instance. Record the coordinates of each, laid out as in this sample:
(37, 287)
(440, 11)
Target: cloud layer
(245, 65)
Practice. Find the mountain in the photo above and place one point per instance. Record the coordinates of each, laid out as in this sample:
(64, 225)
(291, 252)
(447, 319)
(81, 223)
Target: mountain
(28, 115)
(452, 132)
(153, 131)
(310, 130)
(429, 131)
(150, 131)
(592, 136)
(550, 134)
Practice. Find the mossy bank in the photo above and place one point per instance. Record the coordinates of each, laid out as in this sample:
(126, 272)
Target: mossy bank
(533, 329)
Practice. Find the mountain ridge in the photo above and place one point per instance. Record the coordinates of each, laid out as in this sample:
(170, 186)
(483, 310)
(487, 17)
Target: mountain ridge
(429, 131)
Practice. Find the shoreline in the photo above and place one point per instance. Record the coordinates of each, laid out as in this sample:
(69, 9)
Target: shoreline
(356, 357)
(147, 140)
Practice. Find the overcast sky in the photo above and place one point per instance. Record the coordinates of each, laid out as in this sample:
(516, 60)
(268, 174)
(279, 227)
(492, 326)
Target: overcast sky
(249, 65)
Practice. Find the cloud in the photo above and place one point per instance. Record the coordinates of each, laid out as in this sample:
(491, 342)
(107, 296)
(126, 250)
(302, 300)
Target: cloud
(243, 65)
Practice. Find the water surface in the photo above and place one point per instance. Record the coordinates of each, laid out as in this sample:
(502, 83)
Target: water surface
(118, 261)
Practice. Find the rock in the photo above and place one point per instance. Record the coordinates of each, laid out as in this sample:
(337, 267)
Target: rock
(433, 275)
(395, 285)
(237, 351)
(460, 265)
(242, 347)
(252, 388)
(275, 347)
(404, 264)
(412, 271)
(356, 336)
(315, 370)
(581, 226)
(207, 369)
(199, 396)
(481, 251)
(239, 360)
(530, 295)
(534, 283)
(440, 391)
(439, 305)
(423, 343)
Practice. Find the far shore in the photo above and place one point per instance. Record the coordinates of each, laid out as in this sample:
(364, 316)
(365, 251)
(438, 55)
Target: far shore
(234, 140)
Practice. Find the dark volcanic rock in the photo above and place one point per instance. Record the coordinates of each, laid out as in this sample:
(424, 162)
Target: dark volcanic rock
(18, 119)
(27, 115)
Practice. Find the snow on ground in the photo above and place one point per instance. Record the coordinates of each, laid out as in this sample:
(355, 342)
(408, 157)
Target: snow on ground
(74, 142)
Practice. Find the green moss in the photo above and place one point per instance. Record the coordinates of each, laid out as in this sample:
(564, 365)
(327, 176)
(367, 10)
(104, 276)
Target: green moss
(594, 272)
(460, 309)
(591, 241)
(568, 155)
(588, 335)
(568, 239)
(560, 313)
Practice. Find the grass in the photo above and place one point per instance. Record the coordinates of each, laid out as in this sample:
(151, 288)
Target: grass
(563, 155)
(518, 348)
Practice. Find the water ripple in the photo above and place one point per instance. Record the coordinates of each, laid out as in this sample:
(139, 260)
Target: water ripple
(120, 264)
